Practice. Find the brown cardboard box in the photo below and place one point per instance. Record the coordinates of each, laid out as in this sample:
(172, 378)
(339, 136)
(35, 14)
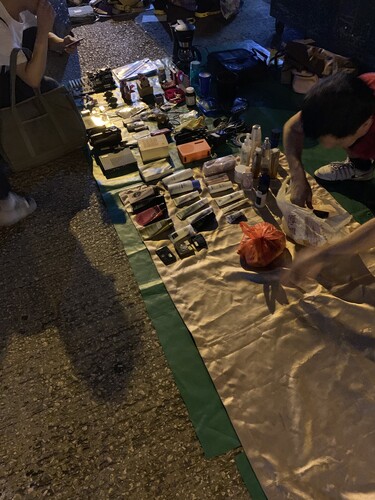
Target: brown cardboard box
(153, 148)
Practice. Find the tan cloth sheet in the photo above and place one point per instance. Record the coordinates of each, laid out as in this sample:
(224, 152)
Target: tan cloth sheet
(294, 367)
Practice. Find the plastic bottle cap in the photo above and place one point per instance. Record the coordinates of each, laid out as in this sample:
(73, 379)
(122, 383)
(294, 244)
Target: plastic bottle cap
(196, 184)
(189, 90)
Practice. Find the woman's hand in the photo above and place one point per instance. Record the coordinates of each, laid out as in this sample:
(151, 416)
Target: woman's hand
(67, 44)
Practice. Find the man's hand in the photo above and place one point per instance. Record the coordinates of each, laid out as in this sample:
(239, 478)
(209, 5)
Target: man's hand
(300, 192)
(45, 16)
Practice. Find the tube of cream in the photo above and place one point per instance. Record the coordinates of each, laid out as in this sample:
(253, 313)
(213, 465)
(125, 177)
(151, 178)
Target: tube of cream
(181, 175)
(191, 209)
(185, 198)
(218, 188)
(228, 198)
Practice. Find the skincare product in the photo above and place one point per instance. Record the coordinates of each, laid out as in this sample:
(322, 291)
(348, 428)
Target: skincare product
(199, 215)
(218, 188)
(215, 179)
(245, 151)
(183, 187)
(181, 175)
(223, 164)
(180, 201)
(155, 229)
(231, 218)
(247, 180)
(275, 156)
(234, 206)
(257, 163)
(191, 209)
(262, 190)
(182, 233)
(229, 198)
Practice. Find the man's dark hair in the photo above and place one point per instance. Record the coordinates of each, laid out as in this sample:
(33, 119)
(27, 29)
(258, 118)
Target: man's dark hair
(337, 105)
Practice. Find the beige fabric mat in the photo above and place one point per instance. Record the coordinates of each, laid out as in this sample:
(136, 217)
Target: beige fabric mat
(294, 367)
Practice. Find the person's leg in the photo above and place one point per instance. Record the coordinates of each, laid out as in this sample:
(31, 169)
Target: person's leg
(352, 169)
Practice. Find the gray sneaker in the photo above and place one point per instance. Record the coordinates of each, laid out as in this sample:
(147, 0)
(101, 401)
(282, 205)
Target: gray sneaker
(15, 208)
(343, 171)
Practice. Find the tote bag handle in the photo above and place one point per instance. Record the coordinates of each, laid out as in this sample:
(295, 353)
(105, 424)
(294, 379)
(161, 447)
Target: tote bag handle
(44, 106)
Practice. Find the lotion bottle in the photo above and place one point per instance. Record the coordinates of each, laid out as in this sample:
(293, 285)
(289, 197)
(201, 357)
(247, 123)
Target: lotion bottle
(245, 151)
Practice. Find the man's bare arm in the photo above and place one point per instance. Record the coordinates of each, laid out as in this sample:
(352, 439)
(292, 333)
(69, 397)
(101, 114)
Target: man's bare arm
(293, 137)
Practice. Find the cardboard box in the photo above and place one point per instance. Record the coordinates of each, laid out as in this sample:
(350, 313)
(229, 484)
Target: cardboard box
(192, 151)
(116, 164)
(153, 148)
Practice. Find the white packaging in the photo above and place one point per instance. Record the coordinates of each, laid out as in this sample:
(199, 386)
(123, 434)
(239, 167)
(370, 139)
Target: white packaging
(183, 187)
(234, 206)
(182, 233)
(199, 215)
(186, 198)
(228, 198)
(222, 186)
(191, 209)
(181, 175)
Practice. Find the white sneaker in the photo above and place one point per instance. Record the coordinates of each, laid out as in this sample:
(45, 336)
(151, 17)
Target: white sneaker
(343, 171)
(15, 208)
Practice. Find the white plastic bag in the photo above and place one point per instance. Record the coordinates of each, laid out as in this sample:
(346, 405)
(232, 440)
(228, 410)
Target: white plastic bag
(304, 227)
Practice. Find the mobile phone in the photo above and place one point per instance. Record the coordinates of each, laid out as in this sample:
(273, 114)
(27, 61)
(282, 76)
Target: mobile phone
(72, 44)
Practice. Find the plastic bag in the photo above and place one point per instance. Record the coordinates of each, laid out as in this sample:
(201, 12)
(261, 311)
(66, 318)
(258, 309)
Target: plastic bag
(261, 244)
(304, 227)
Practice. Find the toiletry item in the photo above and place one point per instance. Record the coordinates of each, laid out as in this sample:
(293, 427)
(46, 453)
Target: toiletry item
(231, 218)
(262, 190)
(257, 162)
(182, 233)
(183, 187)
(215, 179)
(181, 175)
(154, 173)
(266, 154)
(256, 136)
(229, 198)
(199, 215)
(180, 201)
(190, 97)
(245, 151)
(234, 206)
(247, 181)
(219, 165)
(238, 173)
(156, 229)
(191, 209)
(218, 188)
(275, 156)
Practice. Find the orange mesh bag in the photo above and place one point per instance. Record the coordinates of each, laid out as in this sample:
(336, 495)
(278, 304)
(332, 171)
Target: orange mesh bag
(261, 244)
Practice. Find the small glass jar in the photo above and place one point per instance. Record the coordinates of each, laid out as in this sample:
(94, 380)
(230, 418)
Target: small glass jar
(190, 97)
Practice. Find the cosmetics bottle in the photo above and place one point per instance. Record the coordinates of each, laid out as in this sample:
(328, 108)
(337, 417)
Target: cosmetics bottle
(247, 181)
(245, 151)
(262, 190)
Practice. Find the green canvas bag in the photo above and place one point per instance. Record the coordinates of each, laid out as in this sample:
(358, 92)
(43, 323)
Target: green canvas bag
(40, 129)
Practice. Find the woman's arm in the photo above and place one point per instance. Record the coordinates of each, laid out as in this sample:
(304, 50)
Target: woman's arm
(293, 137)
(32, 71)
(310, 262)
